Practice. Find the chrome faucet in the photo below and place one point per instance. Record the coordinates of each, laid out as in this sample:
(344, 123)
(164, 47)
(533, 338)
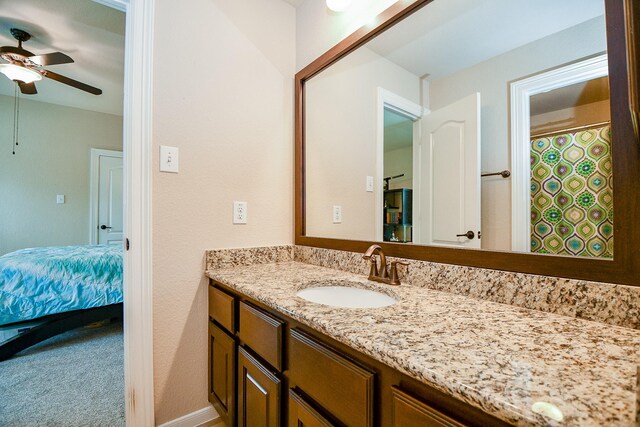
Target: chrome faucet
(382, 275)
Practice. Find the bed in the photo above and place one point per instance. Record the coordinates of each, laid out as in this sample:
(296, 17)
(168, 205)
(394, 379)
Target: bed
(63, 287)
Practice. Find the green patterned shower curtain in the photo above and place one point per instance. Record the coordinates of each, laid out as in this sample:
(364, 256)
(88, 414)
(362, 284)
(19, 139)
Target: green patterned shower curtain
(572, 193)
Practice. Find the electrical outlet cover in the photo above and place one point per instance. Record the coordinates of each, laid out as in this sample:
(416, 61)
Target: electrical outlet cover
(239, 212)
(337, 214)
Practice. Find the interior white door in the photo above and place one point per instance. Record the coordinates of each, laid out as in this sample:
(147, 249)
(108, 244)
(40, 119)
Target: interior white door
(450, 175)
(110, 202)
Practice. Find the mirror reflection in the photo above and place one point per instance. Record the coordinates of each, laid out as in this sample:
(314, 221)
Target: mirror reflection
(480, 125)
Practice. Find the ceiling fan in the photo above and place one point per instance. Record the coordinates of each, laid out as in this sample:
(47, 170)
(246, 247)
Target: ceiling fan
(25, 68)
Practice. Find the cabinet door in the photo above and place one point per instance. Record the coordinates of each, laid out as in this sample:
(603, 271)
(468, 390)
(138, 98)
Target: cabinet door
(338, 385)
(222, 370)
(409, 412)
(258, 393)
(301, 414)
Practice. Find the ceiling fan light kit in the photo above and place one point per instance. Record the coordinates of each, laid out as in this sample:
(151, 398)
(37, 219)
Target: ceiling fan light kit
(20, 74)
(338, 5)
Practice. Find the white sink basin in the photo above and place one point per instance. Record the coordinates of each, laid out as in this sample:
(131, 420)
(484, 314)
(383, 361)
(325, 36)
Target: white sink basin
(346, 296)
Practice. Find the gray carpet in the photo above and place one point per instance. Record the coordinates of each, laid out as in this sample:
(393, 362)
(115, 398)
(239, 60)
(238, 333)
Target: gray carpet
(74, 379)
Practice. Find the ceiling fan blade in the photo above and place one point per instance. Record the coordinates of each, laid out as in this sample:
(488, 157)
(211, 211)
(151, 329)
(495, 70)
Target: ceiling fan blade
(13, 50)
(27, 88)
(74, 83)
(53, 58)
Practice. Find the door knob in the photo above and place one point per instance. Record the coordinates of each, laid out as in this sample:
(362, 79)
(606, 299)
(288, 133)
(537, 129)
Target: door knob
(469, 235)
(103, 227)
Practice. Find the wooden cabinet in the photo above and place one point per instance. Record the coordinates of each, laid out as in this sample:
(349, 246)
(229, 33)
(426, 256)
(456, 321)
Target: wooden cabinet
(222, 373)
(409, 412)
(339, 385)
(398, 206)
(264, 354)
(258, 393)
(301, 414)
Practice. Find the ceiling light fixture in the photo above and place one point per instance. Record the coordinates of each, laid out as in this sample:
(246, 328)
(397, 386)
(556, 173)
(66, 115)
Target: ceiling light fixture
(19, 73)
(338, 5)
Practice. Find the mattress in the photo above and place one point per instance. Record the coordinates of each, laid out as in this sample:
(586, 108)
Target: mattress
(37, 282)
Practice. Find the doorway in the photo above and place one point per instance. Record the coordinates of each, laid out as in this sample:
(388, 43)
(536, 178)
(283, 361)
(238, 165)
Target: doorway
(137, 115)
(137, 132)
(398, 177)
(522, 93)
(396, 150)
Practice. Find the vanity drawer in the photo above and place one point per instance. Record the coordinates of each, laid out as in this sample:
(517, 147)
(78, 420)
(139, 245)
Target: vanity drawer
(222, 308)
(407, 411)
(340, 386)
(301, 414)
(262, 333)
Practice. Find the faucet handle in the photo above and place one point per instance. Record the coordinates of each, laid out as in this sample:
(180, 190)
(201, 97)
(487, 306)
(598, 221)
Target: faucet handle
(393, 274)
(373, 269)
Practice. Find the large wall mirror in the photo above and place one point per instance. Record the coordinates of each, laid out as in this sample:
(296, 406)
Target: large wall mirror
(487, 133)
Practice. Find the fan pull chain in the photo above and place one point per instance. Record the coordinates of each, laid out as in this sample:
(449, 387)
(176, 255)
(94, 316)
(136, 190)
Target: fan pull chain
(16, 119)
(14, 142)
(17, 114)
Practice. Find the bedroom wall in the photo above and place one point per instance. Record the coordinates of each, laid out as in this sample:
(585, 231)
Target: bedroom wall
(52, 158)
(229, 109)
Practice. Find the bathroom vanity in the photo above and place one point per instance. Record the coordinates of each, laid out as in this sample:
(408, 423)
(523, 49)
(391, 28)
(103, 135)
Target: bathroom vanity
(431, 359)
(483, 332)
(288, 371)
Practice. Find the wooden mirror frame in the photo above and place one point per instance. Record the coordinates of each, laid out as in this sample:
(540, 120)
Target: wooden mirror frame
(622, 24)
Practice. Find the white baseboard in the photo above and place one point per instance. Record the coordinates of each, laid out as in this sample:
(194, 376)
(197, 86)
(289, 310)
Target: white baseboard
(197, 418)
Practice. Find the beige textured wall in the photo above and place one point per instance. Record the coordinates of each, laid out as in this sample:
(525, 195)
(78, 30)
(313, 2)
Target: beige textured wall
(491, 78)
(341, 132)
(53, 157)
(223, 94)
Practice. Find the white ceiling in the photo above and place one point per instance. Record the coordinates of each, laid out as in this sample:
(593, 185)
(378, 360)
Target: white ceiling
(90, 33)
(295, 3)
(475, 31)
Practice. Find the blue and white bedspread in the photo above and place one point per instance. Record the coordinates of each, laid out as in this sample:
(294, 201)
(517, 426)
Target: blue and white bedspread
(41, 281)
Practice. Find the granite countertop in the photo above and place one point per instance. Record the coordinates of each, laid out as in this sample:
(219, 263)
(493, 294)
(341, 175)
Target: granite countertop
(499, 358)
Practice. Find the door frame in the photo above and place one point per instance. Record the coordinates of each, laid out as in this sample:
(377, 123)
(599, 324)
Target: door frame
(413, 111)
(520, 92)
(137, 150)
(94, 189)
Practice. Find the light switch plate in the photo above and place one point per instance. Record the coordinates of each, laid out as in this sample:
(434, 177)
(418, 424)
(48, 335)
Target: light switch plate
(370, 184)
(60, 199)
(168, 159)
(239, 212)
(337, 214)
